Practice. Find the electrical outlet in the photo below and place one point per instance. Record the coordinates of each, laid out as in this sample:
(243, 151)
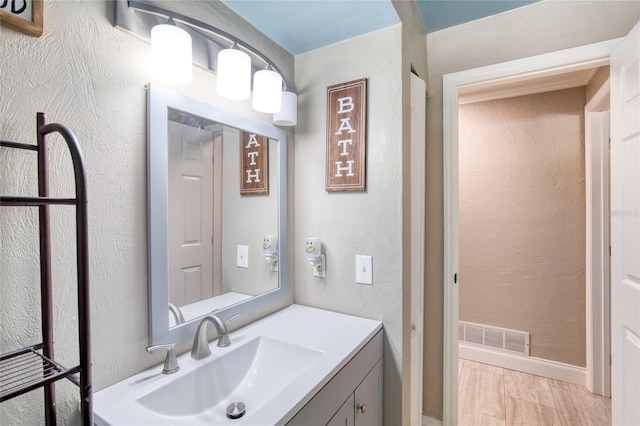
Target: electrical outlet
(243, 257)
(364, 270)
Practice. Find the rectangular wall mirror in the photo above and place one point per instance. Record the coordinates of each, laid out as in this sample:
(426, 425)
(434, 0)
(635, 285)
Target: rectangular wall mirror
(216, 188)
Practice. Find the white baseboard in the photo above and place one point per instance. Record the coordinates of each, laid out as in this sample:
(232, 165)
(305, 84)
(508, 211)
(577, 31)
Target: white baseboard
(537, 366)
(430, 421)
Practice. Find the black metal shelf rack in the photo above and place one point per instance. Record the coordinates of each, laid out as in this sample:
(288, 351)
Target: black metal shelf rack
(34, 367)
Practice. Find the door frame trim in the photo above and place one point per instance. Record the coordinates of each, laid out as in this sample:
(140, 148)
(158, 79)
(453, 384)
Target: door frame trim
(597, 243)
(563, 61)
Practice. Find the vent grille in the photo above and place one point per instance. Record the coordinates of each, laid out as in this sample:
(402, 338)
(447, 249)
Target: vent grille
(516, 342)
(503, 339)
(493, 337)
(473, 334)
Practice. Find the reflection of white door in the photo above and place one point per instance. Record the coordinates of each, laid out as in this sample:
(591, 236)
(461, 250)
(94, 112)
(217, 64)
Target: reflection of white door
(625, 231)
(190, 214)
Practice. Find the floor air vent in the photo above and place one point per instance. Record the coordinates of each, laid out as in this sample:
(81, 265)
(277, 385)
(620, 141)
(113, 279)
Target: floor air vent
(503, 339)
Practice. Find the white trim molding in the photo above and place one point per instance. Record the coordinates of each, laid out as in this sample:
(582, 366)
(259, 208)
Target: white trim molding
(597, 243)
(526, 364)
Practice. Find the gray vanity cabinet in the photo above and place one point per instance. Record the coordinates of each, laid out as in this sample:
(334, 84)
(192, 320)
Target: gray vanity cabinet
(353, 397)
(364, 406)
(368, 399)
(346, 415)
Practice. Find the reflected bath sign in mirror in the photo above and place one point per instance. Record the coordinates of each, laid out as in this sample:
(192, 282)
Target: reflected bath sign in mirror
(254, 161)
(206, 236)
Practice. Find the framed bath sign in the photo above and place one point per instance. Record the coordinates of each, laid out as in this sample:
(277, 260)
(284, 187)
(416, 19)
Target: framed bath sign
(346, 136)
(254, 164)
(22, 15)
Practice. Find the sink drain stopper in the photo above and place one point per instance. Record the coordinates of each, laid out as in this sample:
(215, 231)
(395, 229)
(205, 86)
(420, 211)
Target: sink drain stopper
(236, 410)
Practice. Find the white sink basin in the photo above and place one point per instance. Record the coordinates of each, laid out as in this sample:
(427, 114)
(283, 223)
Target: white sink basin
(274, 366)
(250, 373)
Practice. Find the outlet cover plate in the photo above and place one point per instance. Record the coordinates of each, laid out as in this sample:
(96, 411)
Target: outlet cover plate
(364, 270)
(243, 257)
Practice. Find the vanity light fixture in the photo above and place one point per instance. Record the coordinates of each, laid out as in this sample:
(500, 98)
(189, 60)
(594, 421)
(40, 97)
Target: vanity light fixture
(234, 74)
(288, 114)
(171, 53)
(267, 91)
(268, 96)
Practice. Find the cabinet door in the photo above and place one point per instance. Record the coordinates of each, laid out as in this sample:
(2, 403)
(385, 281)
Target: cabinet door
(369, 398)
(345, 415)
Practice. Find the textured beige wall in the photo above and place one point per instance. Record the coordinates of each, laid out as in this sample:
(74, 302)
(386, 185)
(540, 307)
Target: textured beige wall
(538, 28)
(522, 219)
(90, 76)
(352, 223)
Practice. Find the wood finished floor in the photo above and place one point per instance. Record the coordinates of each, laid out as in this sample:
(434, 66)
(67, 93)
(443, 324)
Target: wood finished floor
(489, 395)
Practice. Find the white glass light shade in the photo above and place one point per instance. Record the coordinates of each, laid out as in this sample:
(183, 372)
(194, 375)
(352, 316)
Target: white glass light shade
(234, 74)
(267, 91)
(171, 53)
(288, 115)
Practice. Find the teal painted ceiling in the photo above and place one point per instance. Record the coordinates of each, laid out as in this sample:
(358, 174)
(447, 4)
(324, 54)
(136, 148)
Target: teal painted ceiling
(303, 25)
(441, 14)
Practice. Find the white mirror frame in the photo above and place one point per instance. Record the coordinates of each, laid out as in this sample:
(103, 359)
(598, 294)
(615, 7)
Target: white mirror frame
(158, 102)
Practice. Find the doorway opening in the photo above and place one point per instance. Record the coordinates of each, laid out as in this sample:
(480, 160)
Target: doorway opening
(472, 82)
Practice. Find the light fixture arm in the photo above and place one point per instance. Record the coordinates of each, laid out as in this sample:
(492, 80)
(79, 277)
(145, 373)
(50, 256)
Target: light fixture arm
(191, 22)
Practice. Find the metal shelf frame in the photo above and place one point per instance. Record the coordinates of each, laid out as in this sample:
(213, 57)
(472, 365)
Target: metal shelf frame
(33, 367)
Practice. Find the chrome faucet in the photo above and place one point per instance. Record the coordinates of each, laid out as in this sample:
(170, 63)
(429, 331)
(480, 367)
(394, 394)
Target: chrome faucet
(170, 362)
(200, 349)
(177, 313)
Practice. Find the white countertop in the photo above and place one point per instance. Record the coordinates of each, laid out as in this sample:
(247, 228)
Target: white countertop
(339, 337)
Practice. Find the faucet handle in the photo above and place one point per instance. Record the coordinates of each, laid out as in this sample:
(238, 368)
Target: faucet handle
(170, 362)
(223, 339)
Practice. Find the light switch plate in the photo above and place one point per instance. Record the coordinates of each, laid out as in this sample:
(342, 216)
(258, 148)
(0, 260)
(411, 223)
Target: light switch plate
(243, 257)
(364, 269)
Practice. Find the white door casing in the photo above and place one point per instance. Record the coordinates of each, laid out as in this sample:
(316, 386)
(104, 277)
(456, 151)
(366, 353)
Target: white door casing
(418, 159)
(190, 214)
(625, 230)
(597, 272)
